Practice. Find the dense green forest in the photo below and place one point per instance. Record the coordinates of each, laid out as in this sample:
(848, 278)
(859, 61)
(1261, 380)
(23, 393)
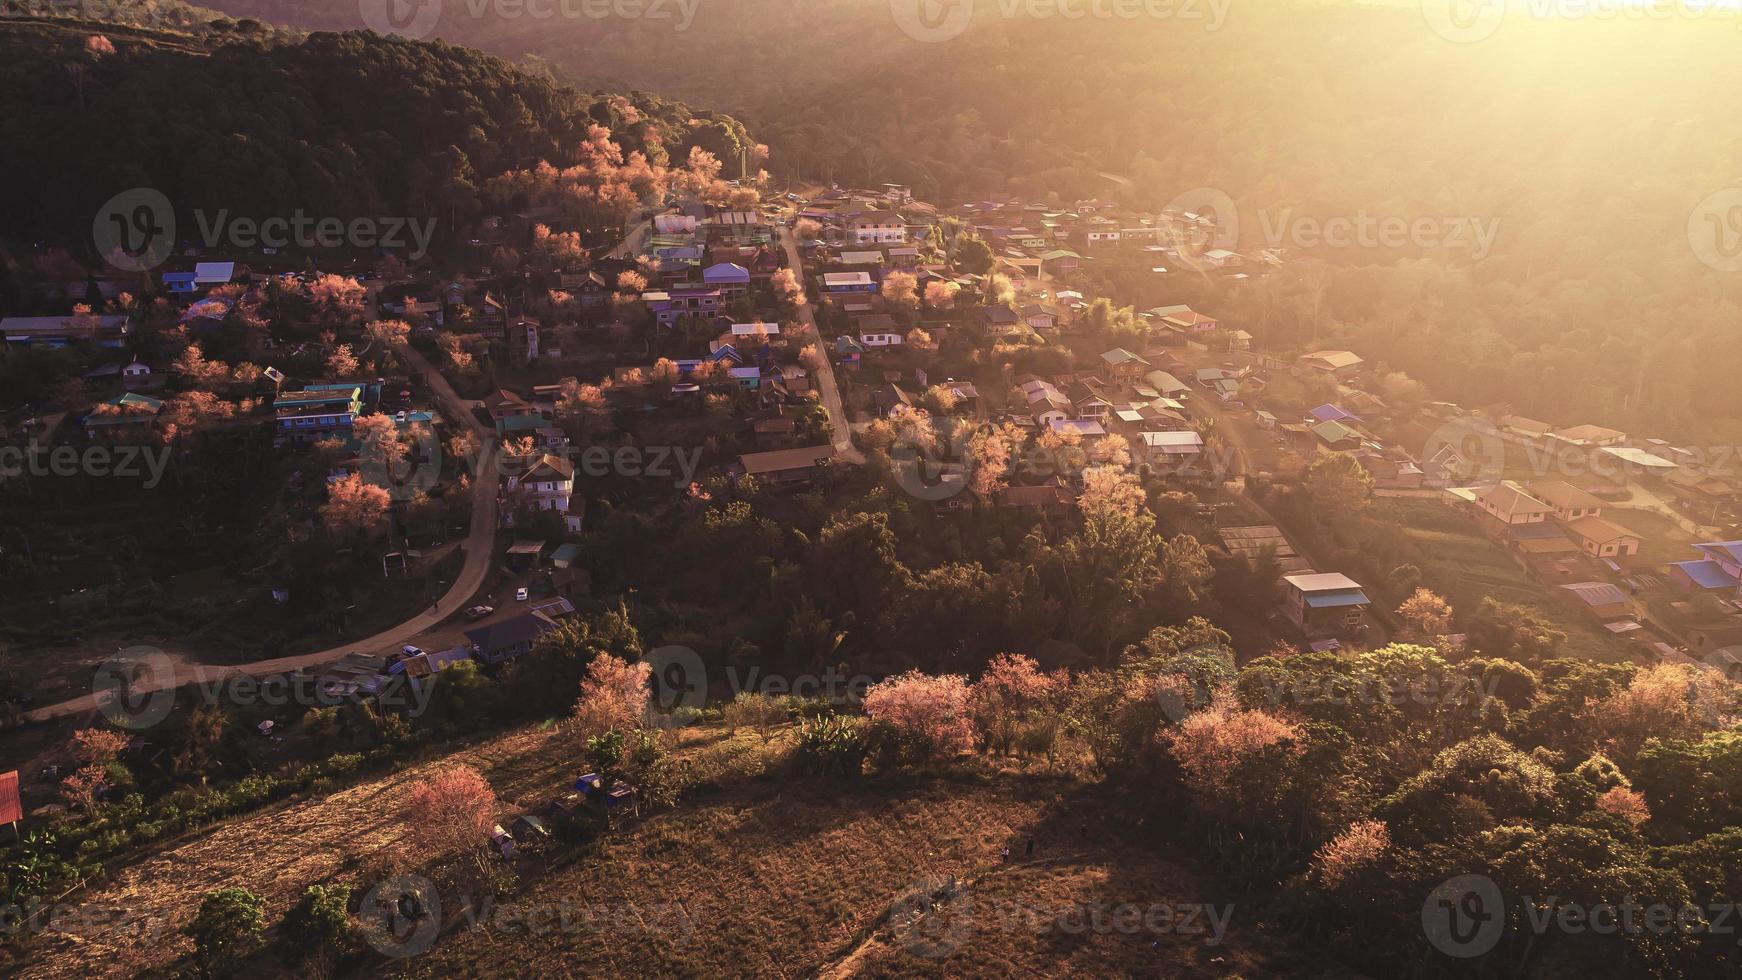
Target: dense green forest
(240, 117)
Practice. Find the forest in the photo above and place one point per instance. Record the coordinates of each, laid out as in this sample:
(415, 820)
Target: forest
(244, 119)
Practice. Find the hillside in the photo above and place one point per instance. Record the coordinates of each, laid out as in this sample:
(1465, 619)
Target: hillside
(240, 119)
(754, 876)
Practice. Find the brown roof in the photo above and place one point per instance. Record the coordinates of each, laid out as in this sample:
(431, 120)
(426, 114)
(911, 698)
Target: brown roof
(781, 460)
(1598, 530)
(1564, 495)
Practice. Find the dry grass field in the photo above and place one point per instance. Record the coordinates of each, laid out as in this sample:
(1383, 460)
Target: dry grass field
(755, 873)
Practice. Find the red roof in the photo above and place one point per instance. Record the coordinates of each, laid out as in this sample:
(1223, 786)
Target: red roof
(11, 811)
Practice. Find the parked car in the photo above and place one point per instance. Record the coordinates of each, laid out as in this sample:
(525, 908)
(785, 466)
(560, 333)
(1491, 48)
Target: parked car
(520, 594)
(478, 612)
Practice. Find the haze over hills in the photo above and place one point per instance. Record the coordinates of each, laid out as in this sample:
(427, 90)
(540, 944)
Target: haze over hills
(1560, 185)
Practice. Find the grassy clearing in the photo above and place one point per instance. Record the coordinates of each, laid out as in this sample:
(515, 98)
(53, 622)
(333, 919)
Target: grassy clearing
(1461, 563)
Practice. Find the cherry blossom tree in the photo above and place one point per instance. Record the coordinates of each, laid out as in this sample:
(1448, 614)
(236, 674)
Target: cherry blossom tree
(354, 506)
(452, 809)
(940, 294)
(1358, 846)
(929, 714)
(787, 289)
(335, 300)
(1426, 613)
(341, 363)
(388, 333)
(614, 697)
(1012, 686)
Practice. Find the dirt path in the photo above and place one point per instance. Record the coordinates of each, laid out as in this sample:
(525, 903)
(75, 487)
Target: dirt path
(829, 388)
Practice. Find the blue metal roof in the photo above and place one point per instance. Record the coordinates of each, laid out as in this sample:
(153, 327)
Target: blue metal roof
(1334, 413)
(1706, 574)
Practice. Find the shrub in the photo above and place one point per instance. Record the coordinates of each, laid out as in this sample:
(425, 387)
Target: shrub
(320, 919)
(227, 929)
(832, 745)
(924, 717)
(755, 711)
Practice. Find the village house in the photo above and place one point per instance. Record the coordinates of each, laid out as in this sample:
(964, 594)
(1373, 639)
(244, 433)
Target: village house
(1166, 385)
(123, 414)
(1590, 436)
(684, 299)
(504, 404)
(1719, 569)
(1602, 599)
(59, 331)
(999, 322)
(317, 411)
(786, 466)
(1324, 604)
(510, 638)
(877, 227)
(1188, 321)
(848, 283)
(1173, 449)
(1042, 317)
(1509, 503)
(1525, 428)
(878, 330)
(1602, 538)
(1335, 437)
(546, 484)
(732, 279)
(1123, 364)
(1333, 362)
(1569, 502)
